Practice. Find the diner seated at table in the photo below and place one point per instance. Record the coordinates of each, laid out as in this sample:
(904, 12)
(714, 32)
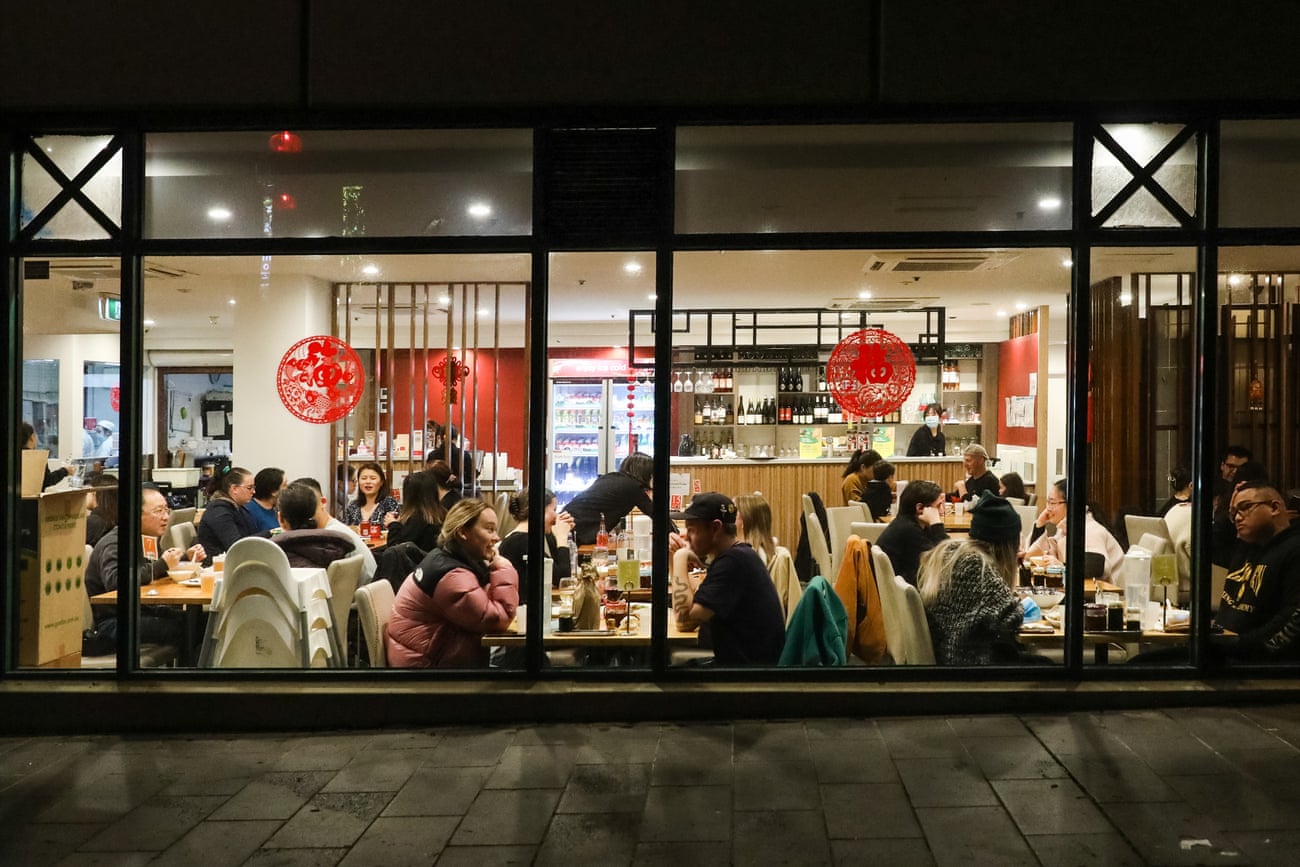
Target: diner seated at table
(462, 590)
(304, 543)
(421, 516)
(327, 521)
(374, 502)
(973, 614)
(161, 626)
(556, 529)
(857, 474)
(266, 489)
(345, 487)
(735, 607)
(916, 528)
(1012, 487)
(754, 526)
(224, 520)
(101, 502)
(440, 471)
(979, 477)
(879, 493)
(1048, 538)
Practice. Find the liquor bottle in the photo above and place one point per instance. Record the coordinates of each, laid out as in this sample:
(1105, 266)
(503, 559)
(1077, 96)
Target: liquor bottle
(720, 412)
(780, 380)
(821, 379)
(708, 411)
(798, 380)
(771, 411)
(600, 553)
(837, 414)
(699, 413)
(731, 380)
(730, 417)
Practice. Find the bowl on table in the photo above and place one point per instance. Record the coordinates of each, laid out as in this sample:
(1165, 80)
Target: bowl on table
(185, 571)
(1044, 597)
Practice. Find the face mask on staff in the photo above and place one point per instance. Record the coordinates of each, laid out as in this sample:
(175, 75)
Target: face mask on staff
(932, 421)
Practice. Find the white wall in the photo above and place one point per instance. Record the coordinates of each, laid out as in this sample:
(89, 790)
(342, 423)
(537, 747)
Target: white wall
(268, 322)
(72, 352)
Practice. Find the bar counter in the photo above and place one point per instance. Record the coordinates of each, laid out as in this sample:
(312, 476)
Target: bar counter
(784, 481)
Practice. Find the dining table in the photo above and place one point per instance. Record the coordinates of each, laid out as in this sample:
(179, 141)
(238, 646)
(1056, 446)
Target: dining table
(619, 637)
(192, 597)
(1045, 634)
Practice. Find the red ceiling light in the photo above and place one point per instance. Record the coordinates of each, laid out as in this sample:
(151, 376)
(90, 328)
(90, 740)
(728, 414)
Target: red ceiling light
(287, 201)
(286, 142)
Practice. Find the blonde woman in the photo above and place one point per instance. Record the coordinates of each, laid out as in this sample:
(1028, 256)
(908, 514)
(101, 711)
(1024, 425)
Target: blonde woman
(754, 526)
(966, 589)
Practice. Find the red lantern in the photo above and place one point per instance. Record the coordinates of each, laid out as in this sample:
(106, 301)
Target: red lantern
(286, 143)
(320, 379)
(871, 372)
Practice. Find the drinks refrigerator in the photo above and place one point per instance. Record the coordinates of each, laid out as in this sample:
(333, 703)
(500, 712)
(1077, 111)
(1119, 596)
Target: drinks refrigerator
(599, 415)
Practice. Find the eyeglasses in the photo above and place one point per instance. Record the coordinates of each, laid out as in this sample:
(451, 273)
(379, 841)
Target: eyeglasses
(1052, 502)
(1242, 509)
(159, 511)
(249, 487)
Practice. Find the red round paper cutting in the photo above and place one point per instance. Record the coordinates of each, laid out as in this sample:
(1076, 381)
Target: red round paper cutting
(871, 372)
(320, 379)
(115, 398)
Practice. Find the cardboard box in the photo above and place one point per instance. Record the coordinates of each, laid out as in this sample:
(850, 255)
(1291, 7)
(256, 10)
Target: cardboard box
(52, 581)
(34, 463)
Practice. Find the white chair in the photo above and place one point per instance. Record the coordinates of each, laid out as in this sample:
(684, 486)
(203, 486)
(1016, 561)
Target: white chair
(344, 577)
(890, 602)
(1028, 514)
(870, 531)
(180, 535)
(505, 521)
(183, 516)
(841, 520)
(1138, 526)
(256, 635)
(374, 608)
(817, 543)
(917, 645)
(1153, 544)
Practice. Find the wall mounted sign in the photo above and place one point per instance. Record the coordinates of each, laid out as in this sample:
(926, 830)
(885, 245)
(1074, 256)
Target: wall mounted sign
(871, 372)
(320, 379)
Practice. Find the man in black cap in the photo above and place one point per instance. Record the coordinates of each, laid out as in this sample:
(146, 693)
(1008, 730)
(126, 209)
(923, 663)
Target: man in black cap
(736, 607)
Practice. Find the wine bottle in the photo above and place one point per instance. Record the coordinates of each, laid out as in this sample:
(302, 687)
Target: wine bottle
(740, 410)
(720, 412)
(798, 380)
(699, 413)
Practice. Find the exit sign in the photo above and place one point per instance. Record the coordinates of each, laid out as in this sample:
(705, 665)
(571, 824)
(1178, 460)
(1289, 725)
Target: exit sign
(110, 308)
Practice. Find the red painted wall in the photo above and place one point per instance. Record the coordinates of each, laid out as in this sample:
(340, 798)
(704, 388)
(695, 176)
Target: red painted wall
(1017, 358)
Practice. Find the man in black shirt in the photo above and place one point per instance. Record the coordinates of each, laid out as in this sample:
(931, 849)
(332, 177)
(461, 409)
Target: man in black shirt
(1261, 594)
(736, 607)
(978, 476)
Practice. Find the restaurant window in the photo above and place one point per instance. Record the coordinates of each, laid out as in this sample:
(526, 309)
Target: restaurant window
(410, 338)
(1144, 175)
(71, 188)
(887, 178)
(1138, 532)
(324, 183)
(71, 405)
(765, 412)
(1259, 173)
(601, 454)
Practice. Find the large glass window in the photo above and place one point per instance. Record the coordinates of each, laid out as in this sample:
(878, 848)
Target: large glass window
(898, 178)
(319, 183)
(1259, 173)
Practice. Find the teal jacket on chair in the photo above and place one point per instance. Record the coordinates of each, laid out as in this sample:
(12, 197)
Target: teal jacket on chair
(818, 630)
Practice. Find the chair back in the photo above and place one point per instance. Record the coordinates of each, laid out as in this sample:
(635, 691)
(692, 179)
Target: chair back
(183, 516)
(1153, 544)
(505, 521)
(345, 578)
(1138, 526)
(871, 531)
(374, 608)
(917, 646)
(1028, 514)
(256, 635)
(817, 542)
(890, 602)
(180, 535)
(1094, 564)
(841, 520)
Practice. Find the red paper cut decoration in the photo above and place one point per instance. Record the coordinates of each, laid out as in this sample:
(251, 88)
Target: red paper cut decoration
(115, 398)
(871, 372)
(320, 379)
(450, 371)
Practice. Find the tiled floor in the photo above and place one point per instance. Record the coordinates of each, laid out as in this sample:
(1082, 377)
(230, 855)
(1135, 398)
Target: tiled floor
(1205, 786)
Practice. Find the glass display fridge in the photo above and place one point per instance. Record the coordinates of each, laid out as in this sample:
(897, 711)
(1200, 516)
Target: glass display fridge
(598, 416)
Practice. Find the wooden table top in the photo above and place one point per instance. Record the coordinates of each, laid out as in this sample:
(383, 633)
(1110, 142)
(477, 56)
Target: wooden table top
(161, 591)
(638, 637)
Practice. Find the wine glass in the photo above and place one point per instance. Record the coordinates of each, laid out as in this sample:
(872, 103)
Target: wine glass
(689, 385)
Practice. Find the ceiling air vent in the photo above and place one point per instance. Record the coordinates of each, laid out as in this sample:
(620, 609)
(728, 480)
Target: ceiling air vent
(881, 305)
(919, 262)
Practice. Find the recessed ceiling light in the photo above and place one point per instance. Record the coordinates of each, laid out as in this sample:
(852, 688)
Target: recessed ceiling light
(1002, 313)
(219, 214)
(150, 322)
(632, 267)
(370, 270)
(1125, 299)
(1049, 203)
(479, 210)
(1234, 279)
(483, 311)
(864, 294)
(1069, 263)
(444, 299)
(232, 302)
(1020, 305)
(652, 297)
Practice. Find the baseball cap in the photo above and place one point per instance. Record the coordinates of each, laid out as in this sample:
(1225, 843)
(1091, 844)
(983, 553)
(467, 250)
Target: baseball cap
(976, 449)
(710, 506)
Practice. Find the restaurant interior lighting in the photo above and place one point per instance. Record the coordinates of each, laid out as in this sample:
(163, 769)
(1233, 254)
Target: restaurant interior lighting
(632, 267)
(444, 299)
(219, 213)
(232, 302)
(370, 270)
(148, 322)
(479, 210)
(1049, 203)
(865, 294)
(1234, 280)
(1020, 305)
(1125, 298)
(1002, 313)
(652, 297)
(1068, 263)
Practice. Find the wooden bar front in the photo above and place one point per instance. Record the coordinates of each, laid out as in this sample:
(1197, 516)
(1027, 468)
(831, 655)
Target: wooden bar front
(784, 482)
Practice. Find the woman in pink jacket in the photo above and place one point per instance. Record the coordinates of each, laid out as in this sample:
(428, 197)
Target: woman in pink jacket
(461, 590)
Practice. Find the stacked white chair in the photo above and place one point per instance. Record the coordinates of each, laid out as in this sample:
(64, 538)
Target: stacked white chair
(265, 618)
(817, 543)
(1138, 526)
(344, 577)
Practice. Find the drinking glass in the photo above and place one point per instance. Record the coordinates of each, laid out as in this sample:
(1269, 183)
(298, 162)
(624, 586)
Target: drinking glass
(677, 380)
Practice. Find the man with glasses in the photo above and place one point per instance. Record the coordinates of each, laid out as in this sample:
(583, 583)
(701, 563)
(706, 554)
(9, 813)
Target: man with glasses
(1261, 595)
(162, 627)
(1233, 457)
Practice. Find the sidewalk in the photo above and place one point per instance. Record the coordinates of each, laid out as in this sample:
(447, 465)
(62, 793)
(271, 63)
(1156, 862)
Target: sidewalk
(1195, 786)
